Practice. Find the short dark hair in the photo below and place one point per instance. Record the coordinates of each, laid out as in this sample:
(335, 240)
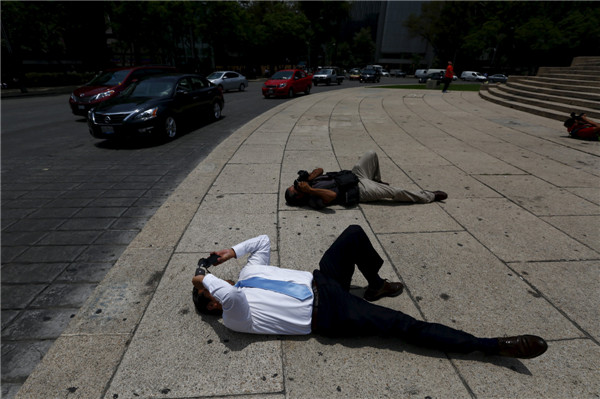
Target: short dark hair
(201, 302)
(570, 122)
(292, 199)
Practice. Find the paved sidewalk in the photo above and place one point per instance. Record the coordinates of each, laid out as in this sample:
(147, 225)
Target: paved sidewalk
(513, 250)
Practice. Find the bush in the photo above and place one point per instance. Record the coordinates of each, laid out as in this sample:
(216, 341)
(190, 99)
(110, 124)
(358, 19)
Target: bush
(50, 79)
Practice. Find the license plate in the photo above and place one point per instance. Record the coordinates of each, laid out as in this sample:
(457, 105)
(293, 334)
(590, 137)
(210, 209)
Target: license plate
(81, 106)
(107, 129)
(270, 91)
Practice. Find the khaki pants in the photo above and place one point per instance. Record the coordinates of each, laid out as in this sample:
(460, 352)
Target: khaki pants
(370, 188)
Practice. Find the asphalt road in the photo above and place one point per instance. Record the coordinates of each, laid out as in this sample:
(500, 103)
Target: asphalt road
(71, 204)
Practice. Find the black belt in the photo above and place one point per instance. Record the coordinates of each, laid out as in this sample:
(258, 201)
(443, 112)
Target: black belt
(313, 322)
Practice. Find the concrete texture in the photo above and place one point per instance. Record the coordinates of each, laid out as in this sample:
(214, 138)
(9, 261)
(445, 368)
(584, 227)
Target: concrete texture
(513, 250)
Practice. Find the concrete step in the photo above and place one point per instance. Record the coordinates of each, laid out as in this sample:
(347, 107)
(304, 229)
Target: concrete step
(558, 84)
(554, 93)
(488, 95)
(550, 95)
(572, 76)
(594, 60)
(543, 71)
(570, 81)
(592, 95)
(550, 103)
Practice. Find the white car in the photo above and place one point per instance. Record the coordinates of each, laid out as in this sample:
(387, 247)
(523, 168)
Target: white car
(228, 80)
(473, 76)
(385, 73)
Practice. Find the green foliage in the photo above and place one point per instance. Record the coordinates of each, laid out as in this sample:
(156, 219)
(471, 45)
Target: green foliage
(509, 34)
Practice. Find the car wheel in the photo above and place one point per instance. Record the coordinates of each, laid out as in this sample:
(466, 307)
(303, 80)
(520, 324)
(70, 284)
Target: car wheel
(291, 93)
(170, 127)
(216, 113)
(328, 82)
(316, 83)
(339, 82)
(307, 91)
(242, 87)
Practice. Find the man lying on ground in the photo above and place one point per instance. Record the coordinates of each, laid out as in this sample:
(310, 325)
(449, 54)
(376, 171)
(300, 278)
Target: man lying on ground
(273, 300)
(362, 184)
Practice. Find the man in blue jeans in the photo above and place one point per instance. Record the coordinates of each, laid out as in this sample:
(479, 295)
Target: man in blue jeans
(273, 300)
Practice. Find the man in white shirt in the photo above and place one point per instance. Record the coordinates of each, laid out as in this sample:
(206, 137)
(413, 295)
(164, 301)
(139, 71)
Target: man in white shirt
(327, 307)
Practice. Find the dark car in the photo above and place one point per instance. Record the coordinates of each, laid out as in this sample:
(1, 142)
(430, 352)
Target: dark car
(369, 75)
(498, 78)
(108, 84)
(439, 76)
(154, 106)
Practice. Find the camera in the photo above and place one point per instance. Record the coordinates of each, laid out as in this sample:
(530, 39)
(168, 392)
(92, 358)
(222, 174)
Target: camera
(576, 117)
(302, 176)
(205, 263)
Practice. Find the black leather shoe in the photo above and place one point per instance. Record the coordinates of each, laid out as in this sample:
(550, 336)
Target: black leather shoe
(388, 289)
(440, 195)
(522, 346)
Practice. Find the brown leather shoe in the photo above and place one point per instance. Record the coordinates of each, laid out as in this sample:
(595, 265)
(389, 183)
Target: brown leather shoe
(522, 346)
(388, 289)
(440, 195)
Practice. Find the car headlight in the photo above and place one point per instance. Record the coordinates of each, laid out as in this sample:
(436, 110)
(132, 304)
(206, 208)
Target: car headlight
(104, 94)
(91, 115)
(147, 114)
(282, 85)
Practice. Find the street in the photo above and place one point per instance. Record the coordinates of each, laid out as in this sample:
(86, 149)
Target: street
(71, 204)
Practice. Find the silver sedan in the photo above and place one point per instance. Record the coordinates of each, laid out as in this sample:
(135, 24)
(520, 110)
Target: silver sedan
(228, 80)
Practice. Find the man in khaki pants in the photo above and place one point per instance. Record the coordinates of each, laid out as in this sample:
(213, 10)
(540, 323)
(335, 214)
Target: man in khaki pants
(320, 190)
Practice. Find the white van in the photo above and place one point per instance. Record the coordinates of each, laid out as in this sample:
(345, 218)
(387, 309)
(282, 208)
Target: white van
(431, 70)
(473, 76)
(420, 73)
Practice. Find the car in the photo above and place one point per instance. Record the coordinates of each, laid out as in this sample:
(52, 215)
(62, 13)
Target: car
(155, 106)
(384, 72)
(439, 76)
(328, 75)
(287, 82)
(472, 76)
(420, 73)
(498, 78)
(228, 80)
(398, 73)
(354, 74)
(369, 75)
(108, 84)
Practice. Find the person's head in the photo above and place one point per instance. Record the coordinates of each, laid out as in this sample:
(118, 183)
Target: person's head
(570, 122)
(449, 62)
(294, 197)
(205, 303)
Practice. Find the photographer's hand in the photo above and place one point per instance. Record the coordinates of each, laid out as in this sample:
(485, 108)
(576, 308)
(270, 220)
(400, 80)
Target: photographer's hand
(304, 187)
(315, 173)
(324, 194)
(224, 255)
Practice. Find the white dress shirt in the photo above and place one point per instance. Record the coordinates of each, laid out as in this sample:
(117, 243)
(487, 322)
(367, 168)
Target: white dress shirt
(260, 311)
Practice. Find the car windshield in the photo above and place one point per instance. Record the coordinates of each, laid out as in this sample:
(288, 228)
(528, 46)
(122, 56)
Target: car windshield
(283, 75)
(325, 71)
(215, 75)
(111, 78)
(151, 88)
(371, 71)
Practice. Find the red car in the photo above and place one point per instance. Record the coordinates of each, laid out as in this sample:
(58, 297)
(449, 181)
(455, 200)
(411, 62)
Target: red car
(287, 82)
(109, 84)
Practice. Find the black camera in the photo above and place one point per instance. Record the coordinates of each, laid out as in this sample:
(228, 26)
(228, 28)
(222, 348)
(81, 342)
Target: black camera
(576, 117)
(205, 263)
(302, 176)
